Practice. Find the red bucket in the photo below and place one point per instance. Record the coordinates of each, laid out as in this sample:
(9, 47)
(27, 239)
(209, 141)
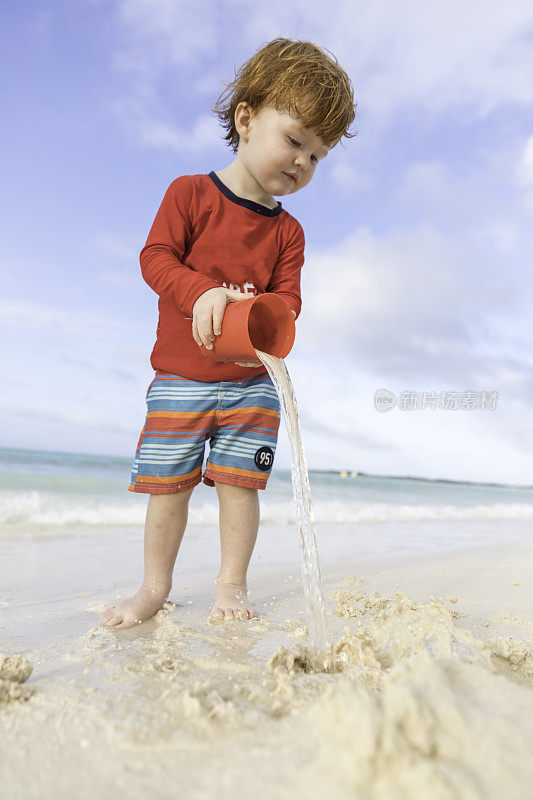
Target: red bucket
(264, 322)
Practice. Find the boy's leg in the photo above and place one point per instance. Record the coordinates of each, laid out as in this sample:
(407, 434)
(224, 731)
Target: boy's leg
(239, 524)
(166, 519)
(243, 443)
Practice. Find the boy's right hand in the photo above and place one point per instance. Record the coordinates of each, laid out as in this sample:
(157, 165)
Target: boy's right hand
(208, 313)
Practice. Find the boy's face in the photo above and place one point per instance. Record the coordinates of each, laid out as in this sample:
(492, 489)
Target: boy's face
(275, 145)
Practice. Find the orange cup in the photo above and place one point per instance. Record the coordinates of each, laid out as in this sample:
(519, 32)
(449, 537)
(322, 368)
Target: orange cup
(265, 322)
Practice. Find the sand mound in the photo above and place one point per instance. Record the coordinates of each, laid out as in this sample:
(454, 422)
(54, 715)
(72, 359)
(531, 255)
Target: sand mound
(14, 671)
(438, 728)
(421, 708)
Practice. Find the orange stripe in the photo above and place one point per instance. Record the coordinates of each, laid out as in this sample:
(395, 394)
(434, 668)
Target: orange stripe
(170, 479)
(265, 419)
(186, 414)
(192, 414)
(172, 434)
(186, 421)
(246, 473)
(251, 410)
(234, 480)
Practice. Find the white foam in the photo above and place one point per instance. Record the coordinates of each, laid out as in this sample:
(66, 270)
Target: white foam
(39, 508)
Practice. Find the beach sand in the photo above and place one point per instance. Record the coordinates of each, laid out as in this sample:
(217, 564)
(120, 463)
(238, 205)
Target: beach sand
(429, 692)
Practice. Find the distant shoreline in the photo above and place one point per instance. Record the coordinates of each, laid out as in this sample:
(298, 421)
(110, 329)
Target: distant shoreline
(358, 474)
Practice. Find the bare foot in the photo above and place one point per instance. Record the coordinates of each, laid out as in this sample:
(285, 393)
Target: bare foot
(136, 609)
(231, 602)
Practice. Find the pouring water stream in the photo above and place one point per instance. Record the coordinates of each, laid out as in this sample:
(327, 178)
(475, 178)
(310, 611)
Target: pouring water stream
(311, 577)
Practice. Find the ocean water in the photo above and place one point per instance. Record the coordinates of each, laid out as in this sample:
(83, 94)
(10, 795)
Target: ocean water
(49, 495)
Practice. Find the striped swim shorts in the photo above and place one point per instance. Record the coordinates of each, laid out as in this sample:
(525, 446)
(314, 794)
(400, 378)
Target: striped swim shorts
(240, 418)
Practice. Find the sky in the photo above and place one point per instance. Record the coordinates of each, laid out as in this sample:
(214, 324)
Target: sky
(417, 274)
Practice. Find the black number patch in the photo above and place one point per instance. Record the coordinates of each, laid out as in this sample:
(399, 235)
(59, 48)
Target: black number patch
(264, 458)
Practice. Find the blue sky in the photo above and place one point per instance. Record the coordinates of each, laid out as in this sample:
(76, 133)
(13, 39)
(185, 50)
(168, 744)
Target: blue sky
(418, 256)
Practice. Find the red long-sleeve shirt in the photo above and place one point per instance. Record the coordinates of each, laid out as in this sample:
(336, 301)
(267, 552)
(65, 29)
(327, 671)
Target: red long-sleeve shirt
(205, 236)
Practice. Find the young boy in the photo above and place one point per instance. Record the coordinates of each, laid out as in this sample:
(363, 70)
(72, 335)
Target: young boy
(218, 238)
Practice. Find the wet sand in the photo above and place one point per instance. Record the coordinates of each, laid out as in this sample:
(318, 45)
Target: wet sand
(428, 690)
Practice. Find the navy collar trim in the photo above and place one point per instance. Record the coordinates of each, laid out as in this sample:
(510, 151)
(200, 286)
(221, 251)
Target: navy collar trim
(243, 201)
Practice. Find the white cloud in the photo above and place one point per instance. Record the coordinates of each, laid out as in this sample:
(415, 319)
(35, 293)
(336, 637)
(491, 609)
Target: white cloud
(199, 137)
(156, 34)
(348, 176)
(31, 316)
(435, 58)
(524, 173)
(418, 307)
(526, 163)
